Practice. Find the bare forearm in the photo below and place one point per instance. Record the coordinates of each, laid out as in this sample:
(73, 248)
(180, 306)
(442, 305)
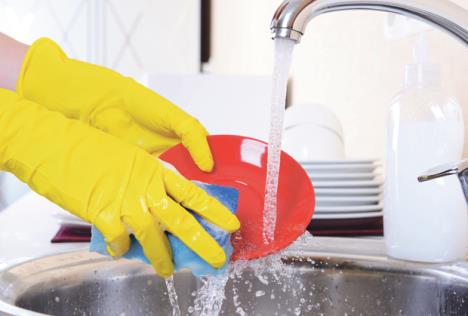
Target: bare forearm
(12, 54)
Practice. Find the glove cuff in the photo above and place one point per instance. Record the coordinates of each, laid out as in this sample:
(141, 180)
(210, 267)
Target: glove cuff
(76, 89)
(41, 60)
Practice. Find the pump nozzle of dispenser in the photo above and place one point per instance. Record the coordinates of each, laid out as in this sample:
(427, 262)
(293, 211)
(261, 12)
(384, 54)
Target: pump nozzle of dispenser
(422, 71)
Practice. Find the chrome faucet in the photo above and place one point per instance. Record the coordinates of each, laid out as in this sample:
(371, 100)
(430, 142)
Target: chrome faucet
(291, 17)
(460, 169)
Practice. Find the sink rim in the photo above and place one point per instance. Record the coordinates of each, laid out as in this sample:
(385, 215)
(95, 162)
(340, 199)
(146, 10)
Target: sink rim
(361, 252)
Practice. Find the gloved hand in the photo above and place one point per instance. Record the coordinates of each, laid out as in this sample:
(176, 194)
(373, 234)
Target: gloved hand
(107, 182)
(110, 102)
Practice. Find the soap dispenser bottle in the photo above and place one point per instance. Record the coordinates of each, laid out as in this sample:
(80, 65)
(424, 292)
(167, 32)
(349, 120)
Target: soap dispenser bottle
(424, 221)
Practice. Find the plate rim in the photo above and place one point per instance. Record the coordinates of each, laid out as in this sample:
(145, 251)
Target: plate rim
(349, 209)
(317, 216)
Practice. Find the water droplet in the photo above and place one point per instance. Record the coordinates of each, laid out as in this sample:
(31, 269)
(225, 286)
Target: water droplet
(259, 293)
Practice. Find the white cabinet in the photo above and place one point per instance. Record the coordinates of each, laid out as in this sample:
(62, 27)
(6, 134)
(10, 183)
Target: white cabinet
(223, 104)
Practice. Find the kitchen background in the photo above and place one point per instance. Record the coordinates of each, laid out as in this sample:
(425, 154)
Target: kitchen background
(352, 62)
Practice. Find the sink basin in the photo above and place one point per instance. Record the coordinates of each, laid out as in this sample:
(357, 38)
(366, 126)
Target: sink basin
(333, 276)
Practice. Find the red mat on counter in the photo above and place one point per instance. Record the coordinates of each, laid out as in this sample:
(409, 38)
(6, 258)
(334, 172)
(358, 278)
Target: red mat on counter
(72, 233)
(355, 227)
(350, 227)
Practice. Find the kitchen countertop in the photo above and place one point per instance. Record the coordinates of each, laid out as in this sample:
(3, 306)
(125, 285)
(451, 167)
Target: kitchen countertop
(26, 228)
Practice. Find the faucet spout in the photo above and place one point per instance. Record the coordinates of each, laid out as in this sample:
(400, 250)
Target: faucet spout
(460, 169)
(291, 18)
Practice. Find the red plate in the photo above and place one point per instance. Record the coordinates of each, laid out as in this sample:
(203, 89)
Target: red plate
(240, 162)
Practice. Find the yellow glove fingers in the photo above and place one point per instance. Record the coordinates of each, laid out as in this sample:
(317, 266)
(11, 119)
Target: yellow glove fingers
(153, 240)
(194, 139)
(192, 135)
(184, 226)
(110, 102)
(120, 124)
(196, 199)
(115, 233)
(167, 123)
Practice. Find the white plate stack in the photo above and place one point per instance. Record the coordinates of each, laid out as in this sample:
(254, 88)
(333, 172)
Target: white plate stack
(346, 189)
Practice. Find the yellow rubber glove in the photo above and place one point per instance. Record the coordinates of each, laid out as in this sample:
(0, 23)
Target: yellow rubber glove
(107, 182)
(110, 102)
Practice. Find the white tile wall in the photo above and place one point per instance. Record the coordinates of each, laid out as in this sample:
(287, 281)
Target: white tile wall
(134, 37)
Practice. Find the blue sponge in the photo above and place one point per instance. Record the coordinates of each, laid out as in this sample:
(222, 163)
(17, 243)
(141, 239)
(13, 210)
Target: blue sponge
(183, 257)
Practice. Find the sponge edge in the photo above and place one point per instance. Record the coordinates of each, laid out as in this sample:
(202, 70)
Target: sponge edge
(183, 257)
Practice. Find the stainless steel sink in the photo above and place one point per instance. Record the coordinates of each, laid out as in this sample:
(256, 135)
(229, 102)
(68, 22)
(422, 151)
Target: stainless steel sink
(332, 276)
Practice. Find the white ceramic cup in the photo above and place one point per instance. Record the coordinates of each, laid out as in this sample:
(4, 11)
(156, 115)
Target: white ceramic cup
(313, 132)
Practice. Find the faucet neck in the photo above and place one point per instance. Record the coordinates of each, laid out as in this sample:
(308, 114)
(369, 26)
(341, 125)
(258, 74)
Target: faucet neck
(293, 15)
